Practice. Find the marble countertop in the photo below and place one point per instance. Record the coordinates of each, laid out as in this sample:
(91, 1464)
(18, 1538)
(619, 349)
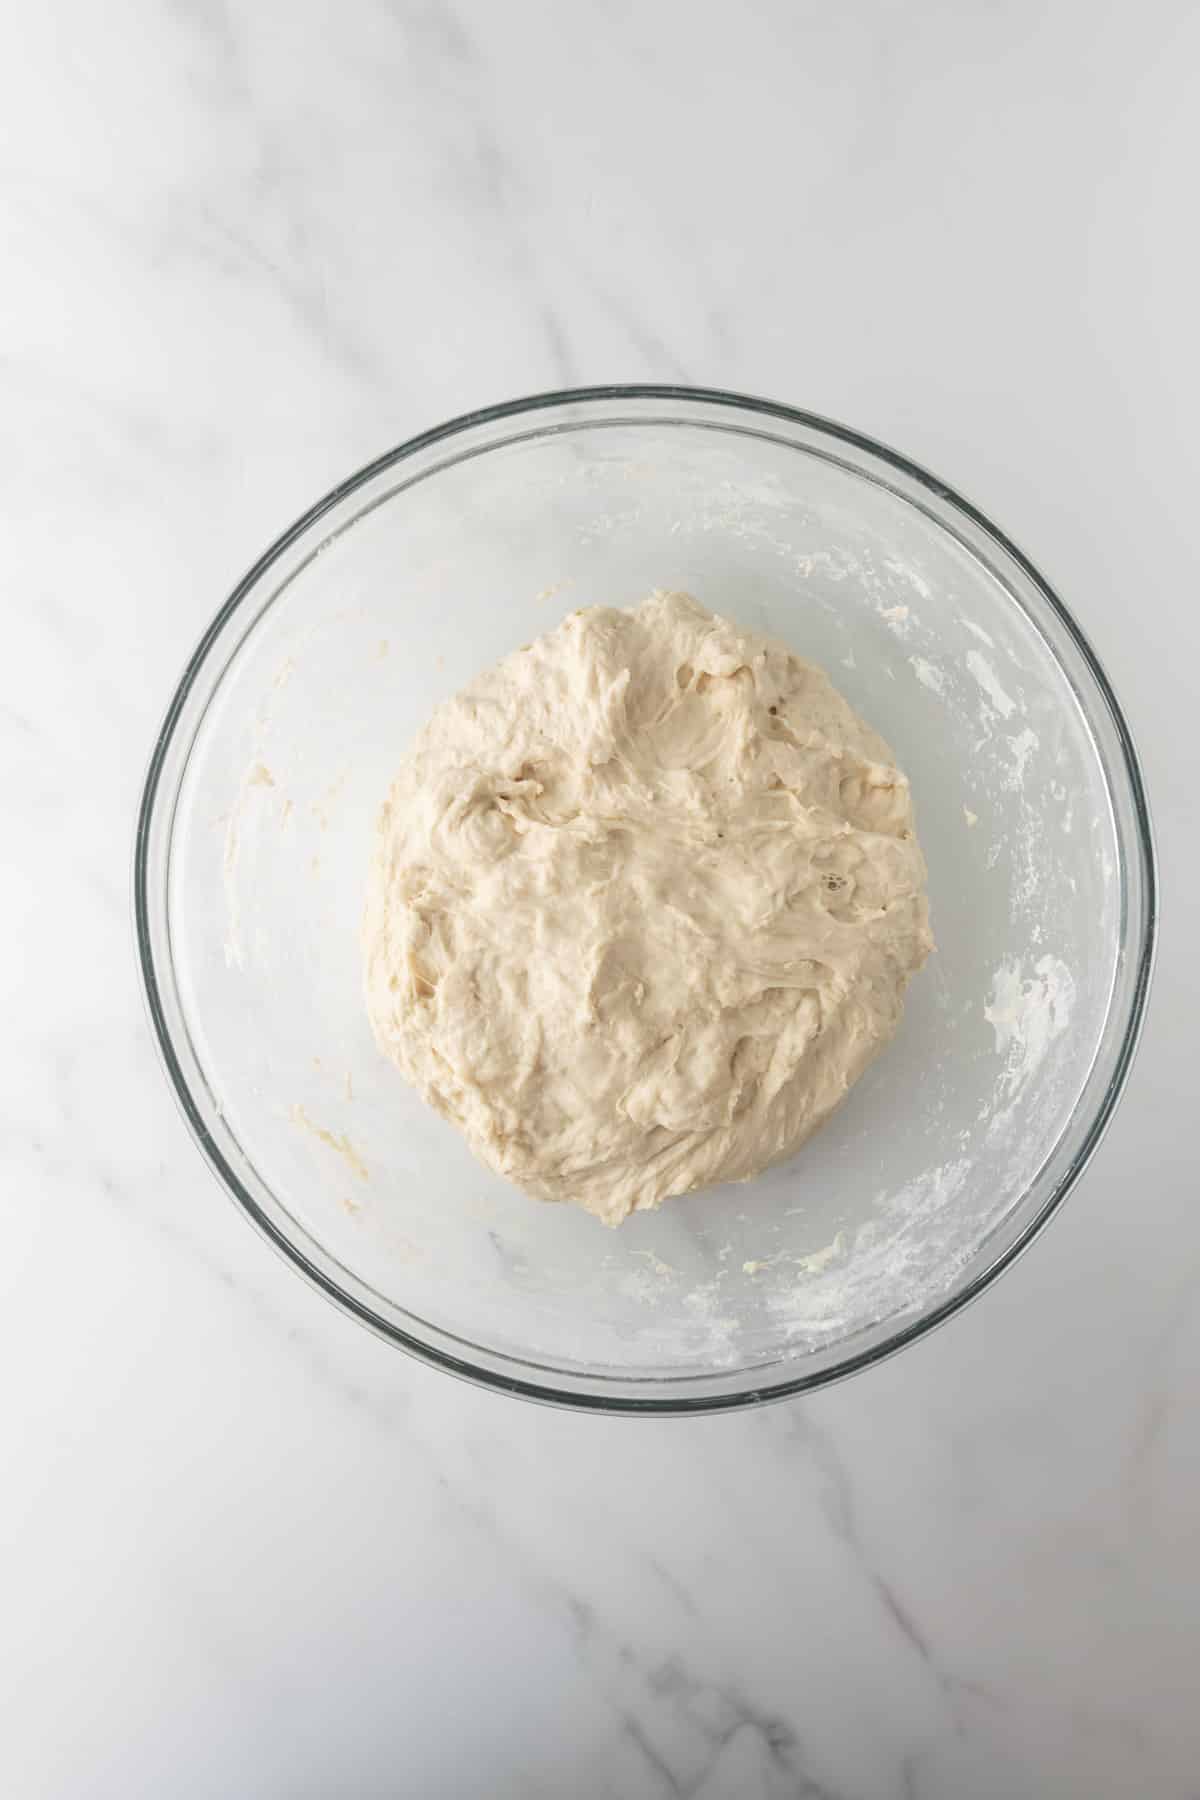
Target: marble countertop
(245, 1549)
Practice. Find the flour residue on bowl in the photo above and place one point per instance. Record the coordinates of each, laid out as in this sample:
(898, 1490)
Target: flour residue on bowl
(1023, 747)
(906, 1248)
(904, 571)
(988, 680)
(929, 674)
(1027, 1013)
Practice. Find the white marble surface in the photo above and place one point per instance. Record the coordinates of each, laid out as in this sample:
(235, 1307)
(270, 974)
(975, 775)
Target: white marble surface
(244, 1548)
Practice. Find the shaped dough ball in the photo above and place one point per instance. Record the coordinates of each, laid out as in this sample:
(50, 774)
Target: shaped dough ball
(644, 902)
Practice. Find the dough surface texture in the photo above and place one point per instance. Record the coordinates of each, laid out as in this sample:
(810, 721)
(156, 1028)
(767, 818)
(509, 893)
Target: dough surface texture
(644, 901)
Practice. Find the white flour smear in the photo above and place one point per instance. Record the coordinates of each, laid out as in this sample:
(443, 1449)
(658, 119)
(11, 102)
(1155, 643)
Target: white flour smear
(1027, 1013)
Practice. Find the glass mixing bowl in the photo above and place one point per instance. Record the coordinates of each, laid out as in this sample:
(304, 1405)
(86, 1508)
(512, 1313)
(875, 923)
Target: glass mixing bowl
(278, 749)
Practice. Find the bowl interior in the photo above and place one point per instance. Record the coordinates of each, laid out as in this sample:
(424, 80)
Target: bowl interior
(299, 712)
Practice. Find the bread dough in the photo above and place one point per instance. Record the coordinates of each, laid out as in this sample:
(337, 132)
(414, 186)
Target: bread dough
(644, 902)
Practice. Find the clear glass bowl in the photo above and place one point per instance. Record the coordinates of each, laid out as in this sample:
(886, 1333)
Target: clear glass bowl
(278, 748)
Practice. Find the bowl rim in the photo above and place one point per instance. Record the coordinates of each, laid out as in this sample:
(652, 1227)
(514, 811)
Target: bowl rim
(594, 1398)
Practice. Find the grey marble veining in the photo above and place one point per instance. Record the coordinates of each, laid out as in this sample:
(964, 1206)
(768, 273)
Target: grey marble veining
(245, 1549)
